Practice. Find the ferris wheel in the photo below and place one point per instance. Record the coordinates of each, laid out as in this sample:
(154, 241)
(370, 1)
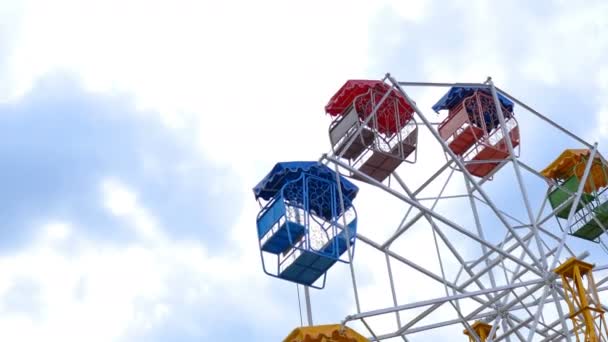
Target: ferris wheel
(495, 244)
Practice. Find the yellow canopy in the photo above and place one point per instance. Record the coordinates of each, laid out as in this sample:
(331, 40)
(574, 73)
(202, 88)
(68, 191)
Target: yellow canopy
(572, 162)
(482, 330)
(324, 333)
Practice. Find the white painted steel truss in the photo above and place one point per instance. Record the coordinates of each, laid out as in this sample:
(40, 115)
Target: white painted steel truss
(495, 261)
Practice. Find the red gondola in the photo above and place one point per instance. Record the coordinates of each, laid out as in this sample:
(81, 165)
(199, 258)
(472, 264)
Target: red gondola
(373, 135)
(472, 128)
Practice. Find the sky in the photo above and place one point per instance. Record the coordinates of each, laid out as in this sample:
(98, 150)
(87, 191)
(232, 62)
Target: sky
(132, 133)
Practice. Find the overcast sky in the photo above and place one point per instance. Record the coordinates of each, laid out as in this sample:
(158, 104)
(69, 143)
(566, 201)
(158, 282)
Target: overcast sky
(132, 132)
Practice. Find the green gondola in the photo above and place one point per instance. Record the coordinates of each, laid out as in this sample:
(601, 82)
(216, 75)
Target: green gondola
(591, 214)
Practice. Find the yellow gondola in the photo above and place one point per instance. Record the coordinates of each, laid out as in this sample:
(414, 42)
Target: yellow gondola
(325, 333)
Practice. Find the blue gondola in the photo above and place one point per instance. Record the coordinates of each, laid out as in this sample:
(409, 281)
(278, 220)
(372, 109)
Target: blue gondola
(304, 224)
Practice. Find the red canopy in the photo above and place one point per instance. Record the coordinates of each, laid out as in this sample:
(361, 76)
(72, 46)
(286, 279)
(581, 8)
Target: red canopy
(392, 115)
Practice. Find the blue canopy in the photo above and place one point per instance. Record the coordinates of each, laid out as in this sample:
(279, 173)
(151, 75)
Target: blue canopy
(456, 94)
(284, 172)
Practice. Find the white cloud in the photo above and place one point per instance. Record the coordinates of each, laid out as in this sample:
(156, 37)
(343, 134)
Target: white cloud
(536, 68)
(122, 202)
(410, 10)
(57, 231)
(567, 46)
(240, 72)
(118, 199)
(106, 292)
(600, 132)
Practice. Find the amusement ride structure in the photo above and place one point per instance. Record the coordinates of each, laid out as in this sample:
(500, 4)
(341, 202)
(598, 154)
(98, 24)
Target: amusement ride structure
(510, 239)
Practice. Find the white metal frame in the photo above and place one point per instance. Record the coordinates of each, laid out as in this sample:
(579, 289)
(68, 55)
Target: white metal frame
(511, 281)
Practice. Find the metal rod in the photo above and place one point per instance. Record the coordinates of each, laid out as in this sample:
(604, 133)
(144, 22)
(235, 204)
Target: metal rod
(502, 212)
(505, 322)
(484, 249)
(402, 230)
(494, 326)
(433, 177)
(520, 181)
(423, 328)
(560, 313)
(546, 119)
(442, 197)
(436, 84)
(514, 329)
(393, 293)
(308, 305)
(346, 229)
